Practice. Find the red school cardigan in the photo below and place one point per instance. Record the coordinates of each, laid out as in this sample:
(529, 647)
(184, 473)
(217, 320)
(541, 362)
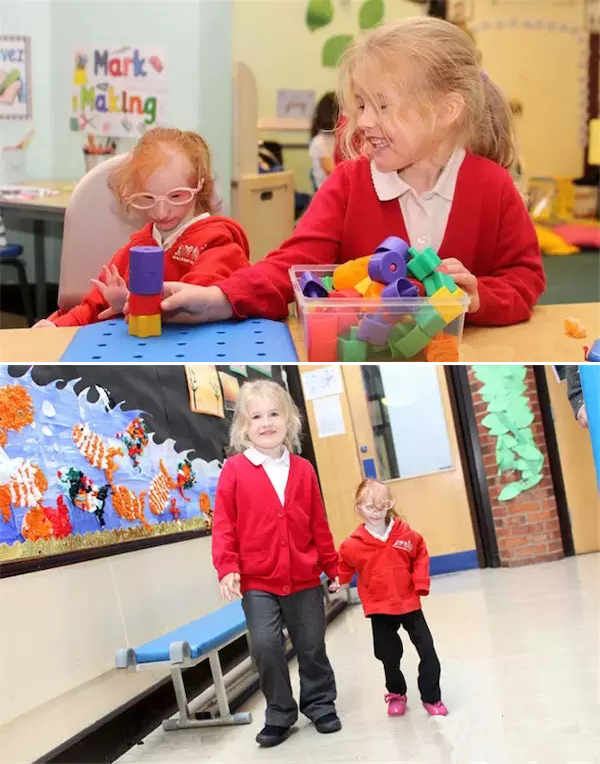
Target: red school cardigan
(488, 230)
(277, 549)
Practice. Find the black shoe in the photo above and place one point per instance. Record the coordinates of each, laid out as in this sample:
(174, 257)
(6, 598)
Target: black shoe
(328, 723)
(271, 735)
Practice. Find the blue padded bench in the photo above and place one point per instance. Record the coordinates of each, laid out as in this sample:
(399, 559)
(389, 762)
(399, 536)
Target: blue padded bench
(185, 647)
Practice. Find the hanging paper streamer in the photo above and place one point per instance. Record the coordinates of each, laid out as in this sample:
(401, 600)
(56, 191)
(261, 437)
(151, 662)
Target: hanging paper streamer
(509, 419)
(590, 382)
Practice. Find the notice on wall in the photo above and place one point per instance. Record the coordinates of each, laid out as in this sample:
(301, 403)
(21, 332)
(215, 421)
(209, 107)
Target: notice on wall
(15, 78)
(296, 104)
(120, 91)
(322, 382)
(328, 416)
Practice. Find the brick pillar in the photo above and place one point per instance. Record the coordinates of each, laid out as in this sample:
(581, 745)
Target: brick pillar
(527, 527)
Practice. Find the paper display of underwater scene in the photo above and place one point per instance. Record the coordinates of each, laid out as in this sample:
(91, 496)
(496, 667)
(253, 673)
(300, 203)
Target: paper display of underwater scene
(76, 474)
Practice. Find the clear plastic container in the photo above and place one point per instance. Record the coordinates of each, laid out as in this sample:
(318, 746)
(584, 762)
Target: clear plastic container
(378, 329)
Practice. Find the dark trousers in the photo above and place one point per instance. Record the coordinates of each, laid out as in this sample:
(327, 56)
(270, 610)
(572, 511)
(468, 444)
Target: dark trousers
(389, 650)
(303, 614)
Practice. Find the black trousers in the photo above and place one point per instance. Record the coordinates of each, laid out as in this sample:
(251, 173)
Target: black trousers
(389, 650)
(303, 614)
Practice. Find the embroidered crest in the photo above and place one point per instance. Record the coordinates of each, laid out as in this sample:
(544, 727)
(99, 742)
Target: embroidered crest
(187, 253)
(405, 545)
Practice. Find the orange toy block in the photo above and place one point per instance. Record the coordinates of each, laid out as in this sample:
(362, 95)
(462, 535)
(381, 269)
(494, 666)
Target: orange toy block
(348, 274)
(574, 328)
(442, 347)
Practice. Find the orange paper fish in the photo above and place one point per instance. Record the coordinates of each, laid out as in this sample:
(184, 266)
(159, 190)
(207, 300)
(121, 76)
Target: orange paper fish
(95, 451)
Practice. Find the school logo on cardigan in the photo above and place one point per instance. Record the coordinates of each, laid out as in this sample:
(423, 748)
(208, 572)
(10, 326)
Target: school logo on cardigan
(187, 253)
(406, 545)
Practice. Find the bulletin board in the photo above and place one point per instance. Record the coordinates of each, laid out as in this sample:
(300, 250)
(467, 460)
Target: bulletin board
(15, 77)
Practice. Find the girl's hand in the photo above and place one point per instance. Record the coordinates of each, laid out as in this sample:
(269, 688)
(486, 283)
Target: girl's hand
(582, 416)
(464, 279)
(114, 290)
(230, 586)
(43, 323)
(335, 586)
(191, 304)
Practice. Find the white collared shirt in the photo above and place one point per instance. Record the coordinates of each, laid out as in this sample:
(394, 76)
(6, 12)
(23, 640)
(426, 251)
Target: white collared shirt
(173, 235)
(277, 469)
(386, 533)
(425, 216)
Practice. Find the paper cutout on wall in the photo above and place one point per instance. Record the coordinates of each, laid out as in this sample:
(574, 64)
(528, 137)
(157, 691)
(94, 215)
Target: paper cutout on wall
(205, 389)
(239, 369)
(509, 419)
(231, 388)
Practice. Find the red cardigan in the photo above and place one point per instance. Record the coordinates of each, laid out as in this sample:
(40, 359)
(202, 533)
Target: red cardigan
(206, 251)
(277, 549)
(392, 574)
(488, 229)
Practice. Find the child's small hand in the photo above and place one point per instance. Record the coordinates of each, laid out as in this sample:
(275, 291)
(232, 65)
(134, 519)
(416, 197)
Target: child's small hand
(335, 586)
(44, 323)
(582, 416)
(114, 290)
(464, 279)
(191, 304)
(230, 586)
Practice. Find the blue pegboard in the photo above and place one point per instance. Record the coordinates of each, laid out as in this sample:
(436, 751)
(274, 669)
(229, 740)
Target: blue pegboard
(255, 339)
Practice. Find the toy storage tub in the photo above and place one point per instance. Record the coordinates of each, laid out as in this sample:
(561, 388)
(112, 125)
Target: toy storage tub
(398, 329)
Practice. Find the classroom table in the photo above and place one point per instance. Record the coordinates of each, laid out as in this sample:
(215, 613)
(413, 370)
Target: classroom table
(42, 210)
(542, 339)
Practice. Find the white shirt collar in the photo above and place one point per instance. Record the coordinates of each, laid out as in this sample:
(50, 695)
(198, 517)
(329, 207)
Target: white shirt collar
(383, 536)
(257, 458)
(172, 235)
(389, 185)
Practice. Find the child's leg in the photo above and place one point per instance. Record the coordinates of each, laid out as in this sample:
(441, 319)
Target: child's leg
(265, 624)
(429, 666)
(388, 649)
(304, 615)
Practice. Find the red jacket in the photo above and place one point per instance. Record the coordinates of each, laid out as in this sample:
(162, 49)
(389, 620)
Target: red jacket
(392, 574)
(206, 251)
(276, 549)
(489, 230)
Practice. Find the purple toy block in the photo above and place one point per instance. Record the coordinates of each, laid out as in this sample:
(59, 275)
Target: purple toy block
(387, 266)
(311, 285)
(394, 244)
(375, 332)
(400, 288)
(146, 270)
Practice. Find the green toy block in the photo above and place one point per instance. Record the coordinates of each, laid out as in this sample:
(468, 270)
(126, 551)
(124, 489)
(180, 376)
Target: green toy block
(437, 280)
(429, 320)
(379, 353)
(413, 343)
(351, 350)
(327, 282)
(423, 264)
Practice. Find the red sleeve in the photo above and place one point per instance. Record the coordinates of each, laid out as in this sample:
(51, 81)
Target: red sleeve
(508, 295)
(420, 572)
(347, 566)
(224, 531)
(321, 533)
(265, 288)
(93, 303)
(218, 261)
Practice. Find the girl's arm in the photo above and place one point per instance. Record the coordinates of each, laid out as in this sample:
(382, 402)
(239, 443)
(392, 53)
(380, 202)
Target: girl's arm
(222, 257)
(574, 389)
(420, 572)
(346, 568)
(224, 531)
(321, 533)
(509, 294)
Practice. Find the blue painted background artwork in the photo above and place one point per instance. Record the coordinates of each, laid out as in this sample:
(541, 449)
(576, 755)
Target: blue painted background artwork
(590, 383)
(81, 467)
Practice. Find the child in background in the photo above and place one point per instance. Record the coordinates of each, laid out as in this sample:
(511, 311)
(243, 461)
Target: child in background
(436, 142)
(322, 139)
(393, 573)
(270, 541)
(168, 177)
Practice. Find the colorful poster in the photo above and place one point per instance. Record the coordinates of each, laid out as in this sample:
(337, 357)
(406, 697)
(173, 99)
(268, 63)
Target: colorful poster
(204, 385)
(15, 78)
(118, 92)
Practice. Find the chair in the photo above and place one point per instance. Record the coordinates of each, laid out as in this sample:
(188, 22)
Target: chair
(9, 255)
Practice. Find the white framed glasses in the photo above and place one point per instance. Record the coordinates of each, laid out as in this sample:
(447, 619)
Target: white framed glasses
(383, 507)
(176, 196)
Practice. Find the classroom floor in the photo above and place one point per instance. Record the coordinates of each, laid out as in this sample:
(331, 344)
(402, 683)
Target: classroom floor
(572, 278)
(519, 654)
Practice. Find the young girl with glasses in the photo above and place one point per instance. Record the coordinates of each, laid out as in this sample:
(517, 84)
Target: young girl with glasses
(168, 178)
(393, 574)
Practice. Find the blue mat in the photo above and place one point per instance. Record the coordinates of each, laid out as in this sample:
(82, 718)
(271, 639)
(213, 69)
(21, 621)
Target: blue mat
(256, 339)
(203, 635)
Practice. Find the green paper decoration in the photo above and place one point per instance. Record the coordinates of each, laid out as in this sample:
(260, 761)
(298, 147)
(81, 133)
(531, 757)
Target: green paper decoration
(334, 49)
(370, 14)
(509, 419)
(318, 14)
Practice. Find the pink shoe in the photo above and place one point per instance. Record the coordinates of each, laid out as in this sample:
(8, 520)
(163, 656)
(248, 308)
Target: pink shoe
(396, 704)
(436, 709)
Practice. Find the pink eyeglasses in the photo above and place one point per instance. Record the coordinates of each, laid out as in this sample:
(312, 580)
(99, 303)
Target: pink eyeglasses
(176, 196)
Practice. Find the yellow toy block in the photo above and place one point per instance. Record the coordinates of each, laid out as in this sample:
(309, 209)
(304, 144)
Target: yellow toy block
(363, 286)
(145, 326)
(348, 274)
(374, 290)
(453, 308)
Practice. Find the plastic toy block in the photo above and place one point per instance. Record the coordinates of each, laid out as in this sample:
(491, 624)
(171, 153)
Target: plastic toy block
(430, 321)
(592, 355)
(394, 244)
(375, 353)
(322, 332)
(146, 270)
(348, 274)
(145, 326)
(400, 288)
(144, 304)
(387, 265)
(363, 286)
(443, 347)
(447, 304)
(351, 350)
(346, 322)
(437, 280)
(423, 263)
(327, 282)
(412, 344)
(418, 286)
(372, 331)
(345, 294)
(374, 290)
(311, 285)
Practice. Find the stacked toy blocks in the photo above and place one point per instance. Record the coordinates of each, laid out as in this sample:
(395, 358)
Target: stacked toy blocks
(146, 276)
(393, 304)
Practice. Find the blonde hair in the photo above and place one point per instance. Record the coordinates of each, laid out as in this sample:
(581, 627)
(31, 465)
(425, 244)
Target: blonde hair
(262, 388)
(152, 152)
(365, 489)
(441, 59)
